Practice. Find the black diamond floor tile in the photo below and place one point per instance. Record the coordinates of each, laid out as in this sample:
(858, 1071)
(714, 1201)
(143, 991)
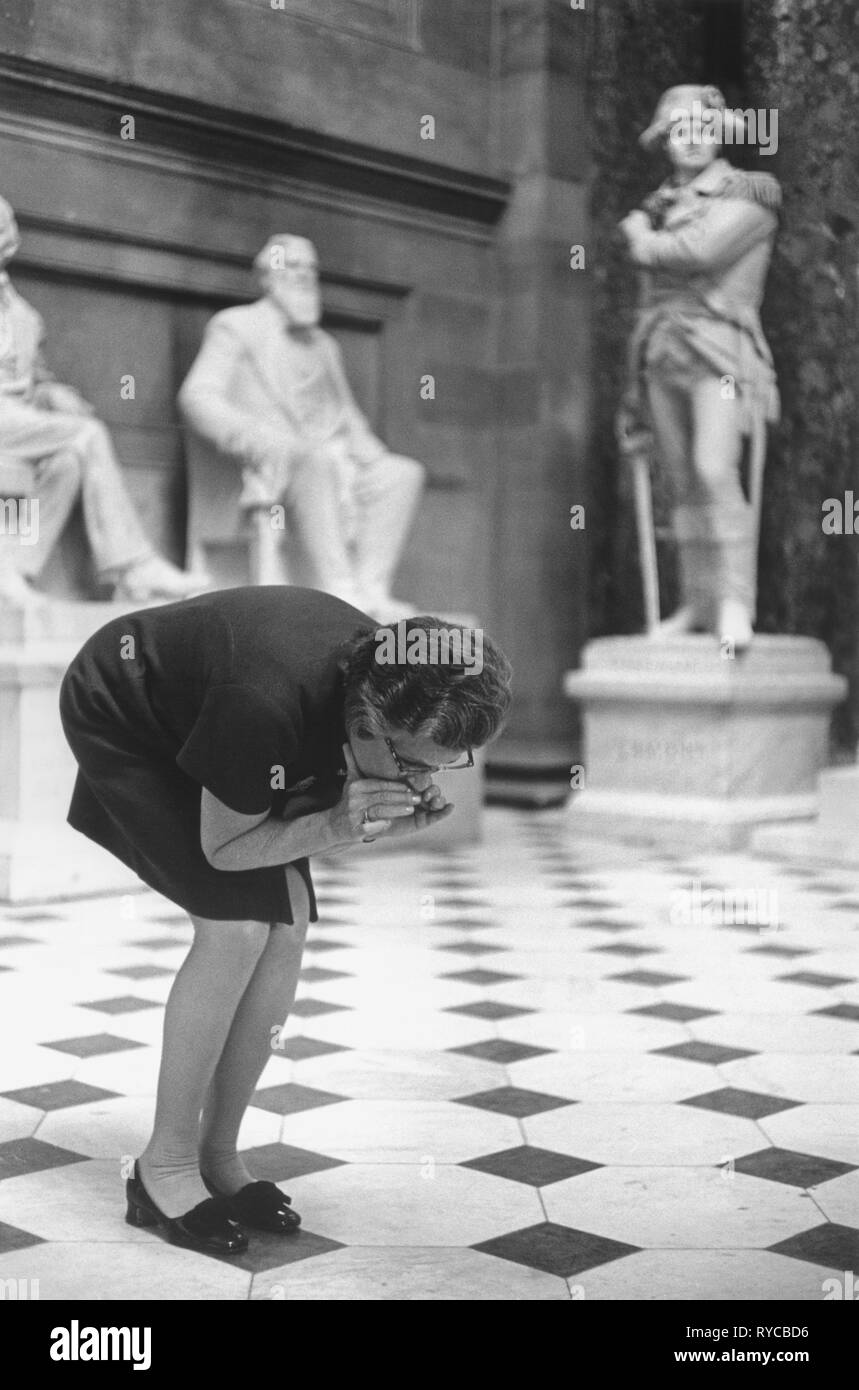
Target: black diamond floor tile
(267, 1251)
(121, 1004)
(710, 1053)
(750, 1105)
(458, 903)
(19, 941)
(313, 1008)
(20, 1156)
(58, 1095)
(514, 1101)
(674, 1013)
(317, 974)
(461, 925)
(301, 1049)
(323, 944)
(832, 1245)
(814, 977)
(283, 1162)
(487, 1008)
(795, 1169)
(141, 972)
(328, 921)
(36, 915)
(290, 1098)
(603, 924)
(11, 1238)
(786, 952)
(536, 1167)
(648, 977)
(589, 903)
(162, 943)
(501, 1051)
(620, 948)
(96, 1045)
(457, 886)
(480, 977)
(470, 948)
(555, 1249)
(849, 1012)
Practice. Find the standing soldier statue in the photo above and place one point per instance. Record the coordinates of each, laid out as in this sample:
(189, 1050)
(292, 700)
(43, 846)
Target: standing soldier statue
(701, 377)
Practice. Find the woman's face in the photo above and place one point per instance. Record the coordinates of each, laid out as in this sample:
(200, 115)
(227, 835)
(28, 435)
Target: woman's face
(419, 755)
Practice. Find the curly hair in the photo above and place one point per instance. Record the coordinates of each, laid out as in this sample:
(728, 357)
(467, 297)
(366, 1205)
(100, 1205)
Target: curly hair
(455, 705)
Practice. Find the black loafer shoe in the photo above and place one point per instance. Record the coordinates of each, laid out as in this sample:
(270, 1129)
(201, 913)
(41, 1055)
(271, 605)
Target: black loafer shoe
(261, 1205)
(210, 1226)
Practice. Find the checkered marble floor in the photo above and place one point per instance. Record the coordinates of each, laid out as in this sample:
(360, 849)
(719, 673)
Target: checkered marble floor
(513, 1072)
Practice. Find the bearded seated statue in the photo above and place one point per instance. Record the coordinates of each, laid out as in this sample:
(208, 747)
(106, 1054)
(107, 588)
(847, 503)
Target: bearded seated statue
(278, 446)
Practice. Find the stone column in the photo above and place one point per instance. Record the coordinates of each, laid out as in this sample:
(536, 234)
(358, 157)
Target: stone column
(538, 572)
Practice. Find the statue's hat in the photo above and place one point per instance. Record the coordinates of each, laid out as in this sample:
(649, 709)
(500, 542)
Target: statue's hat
(679, 103)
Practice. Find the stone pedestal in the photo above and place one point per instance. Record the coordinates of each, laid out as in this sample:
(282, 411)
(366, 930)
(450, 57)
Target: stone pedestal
(832, 838)
(684, 746)
(41, 857)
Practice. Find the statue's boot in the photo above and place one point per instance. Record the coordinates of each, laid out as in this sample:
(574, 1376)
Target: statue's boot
(154, 578)
(735, 626)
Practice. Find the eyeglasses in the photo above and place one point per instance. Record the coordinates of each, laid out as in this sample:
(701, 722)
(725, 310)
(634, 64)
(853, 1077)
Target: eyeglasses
(405, 769)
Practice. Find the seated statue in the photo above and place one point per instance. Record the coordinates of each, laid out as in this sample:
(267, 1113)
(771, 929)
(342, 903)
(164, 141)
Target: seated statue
(701, 373)
(53, 450)
(269, 390)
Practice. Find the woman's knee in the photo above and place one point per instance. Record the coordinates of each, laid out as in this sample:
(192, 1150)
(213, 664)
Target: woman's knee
(287, 937)
(240, 942)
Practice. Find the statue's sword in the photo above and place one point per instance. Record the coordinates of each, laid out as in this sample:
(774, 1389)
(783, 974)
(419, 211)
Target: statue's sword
(636, 446)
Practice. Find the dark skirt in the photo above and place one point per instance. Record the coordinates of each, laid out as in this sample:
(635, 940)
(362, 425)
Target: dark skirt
(137, 804)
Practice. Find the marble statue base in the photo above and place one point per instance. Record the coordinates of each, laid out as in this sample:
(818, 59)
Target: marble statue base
(829, 839)
(685, 747)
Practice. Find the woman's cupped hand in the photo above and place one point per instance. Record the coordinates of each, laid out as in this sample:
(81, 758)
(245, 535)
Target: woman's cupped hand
(391, 807)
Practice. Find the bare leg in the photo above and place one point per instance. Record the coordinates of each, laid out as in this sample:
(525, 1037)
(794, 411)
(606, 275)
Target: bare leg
(200, 1010)
(262, 1011)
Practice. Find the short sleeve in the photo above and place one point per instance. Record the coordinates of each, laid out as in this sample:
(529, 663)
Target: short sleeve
(236, 742)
